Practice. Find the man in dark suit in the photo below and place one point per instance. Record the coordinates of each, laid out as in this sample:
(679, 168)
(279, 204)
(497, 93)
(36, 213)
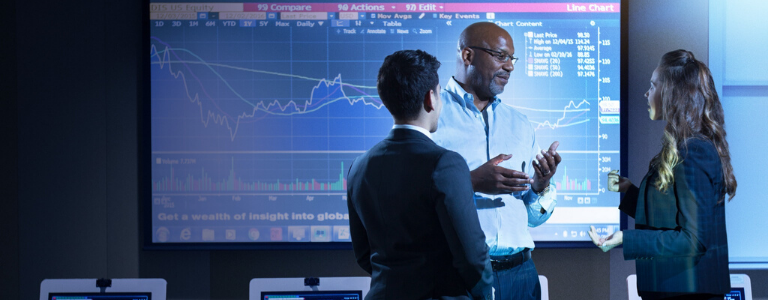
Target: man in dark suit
(413, 222)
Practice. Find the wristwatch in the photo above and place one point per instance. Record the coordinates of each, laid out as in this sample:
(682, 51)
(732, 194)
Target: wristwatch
(544, 191)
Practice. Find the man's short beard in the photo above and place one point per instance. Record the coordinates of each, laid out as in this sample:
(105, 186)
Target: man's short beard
(493, 87)
(496, 88)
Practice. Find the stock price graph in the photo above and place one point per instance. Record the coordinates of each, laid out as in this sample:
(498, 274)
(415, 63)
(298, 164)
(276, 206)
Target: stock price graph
(258, 113)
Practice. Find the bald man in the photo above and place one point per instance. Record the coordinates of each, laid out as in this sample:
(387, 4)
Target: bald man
(510, 173)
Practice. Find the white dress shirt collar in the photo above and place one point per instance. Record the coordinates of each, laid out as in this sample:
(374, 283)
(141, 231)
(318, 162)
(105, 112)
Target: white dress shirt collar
(413, 127)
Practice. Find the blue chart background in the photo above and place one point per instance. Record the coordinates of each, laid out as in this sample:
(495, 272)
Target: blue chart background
(288, 104)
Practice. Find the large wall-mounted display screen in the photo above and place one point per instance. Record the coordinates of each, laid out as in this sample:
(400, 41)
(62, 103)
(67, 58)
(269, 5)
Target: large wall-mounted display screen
(258, 109)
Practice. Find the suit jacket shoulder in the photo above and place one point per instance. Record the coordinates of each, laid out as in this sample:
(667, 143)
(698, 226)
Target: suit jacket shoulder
(699, 154)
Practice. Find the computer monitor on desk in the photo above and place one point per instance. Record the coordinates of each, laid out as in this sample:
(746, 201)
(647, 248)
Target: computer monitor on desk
(313, 295)
(336, 288)
(118, 289)
(741, 288)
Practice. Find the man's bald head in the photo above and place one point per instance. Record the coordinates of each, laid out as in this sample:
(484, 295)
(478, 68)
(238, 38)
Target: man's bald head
(481, 34)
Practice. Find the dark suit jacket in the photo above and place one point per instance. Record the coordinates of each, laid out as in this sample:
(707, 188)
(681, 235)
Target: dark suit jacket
(680, 244)
(413, 222)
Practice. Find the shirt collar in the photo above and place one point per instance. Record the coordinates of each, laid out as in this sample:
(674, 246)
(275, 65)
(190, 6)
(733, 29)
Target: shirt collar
(455, 88)
(413, 127)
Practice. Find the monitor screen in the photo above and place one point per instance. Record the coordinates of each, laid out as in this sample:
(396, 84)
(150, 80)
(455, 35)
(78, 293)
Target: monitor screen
(100, 296)
(736, 294)
(313, 295)
(258, 109)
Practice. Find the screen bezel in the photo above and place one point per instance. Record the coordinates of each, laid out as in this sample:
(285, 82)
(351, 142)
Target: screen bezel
(359, 293)
(741, 290)
(71, 294)
(145, 166)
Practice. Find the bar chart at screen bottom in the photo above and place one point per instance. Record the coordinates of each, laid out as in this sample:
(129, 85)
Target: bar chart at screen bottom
(253, 174)
(245, 197)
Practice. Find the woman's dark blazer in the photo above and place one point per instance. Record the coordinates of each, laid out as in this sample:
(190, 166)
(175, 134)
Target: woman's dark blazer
(679, 243)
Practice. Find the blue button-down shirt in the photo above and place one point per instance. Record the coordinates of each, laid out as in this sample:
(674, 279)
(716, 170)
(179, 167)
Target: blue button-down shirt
(461, 128)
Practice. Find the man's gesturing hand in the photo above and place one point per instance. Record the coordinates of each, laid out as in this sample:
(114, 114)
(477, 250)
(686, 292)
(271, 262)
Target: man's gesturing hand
(493, 179)
(545, 166)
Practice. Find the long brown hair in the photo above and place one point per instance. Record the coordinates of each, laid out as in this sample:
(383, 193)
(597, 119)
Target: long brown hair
(692, 109)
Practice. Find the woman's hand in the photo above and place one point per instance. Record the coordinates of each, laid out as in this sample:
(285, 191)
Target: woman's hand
(617, 183)
(606, 243)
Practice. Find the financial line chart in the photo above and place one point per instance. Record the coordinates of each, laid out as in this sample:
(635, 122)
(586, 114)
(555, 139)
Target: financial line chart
(292, 107)
(572, 107)
(220, 96)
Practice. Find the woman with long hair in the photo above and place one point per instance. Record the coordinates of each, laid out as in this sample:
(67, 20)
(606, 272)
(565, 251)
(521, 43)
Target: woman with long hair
(679, 243)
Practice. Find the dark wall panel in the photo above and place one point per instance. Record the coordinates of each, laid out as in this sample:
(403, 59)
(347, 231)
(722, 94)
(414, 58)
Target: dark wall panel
(61, 105)
(77, 92)
(9, 213)
(571, 272)
(188, 273)
(122, 92)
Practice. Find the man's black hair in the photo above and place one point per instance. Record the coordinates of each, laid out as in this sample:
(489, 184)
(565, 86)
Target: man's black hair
(404, 78)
